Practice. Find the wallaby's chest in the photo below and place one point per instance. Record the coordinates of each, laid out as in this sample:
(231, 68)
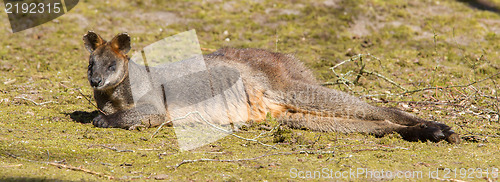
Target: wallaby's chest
(115, 100)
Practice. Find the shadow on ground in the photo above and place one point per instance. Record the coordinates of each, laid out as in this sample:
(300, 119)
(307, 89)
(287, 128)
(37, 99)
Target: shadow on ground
(482, 5)
(23, 179)
(82, 116)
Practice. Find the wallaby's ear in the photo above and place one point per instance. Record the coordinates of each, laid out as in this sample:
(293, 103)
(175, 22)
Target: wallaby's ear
(121, 42)
(92, 41)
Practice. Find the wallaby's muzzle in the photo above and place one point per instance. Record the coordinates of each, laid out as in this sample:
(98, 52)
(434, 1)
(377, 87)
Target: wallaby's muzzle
(96, 82)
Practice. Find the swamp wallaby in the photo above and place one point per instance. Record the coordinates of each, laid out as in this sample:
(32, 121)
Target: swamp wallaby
(273, 83)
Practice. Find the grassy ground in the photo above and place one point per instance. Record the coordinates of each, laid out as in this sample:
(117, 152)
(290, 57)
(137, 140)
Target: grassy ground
(448, 49)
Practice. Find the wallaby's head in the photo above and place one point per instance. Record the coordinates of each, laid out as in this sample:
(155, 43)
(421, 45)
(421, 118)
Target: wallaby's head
(108, 62)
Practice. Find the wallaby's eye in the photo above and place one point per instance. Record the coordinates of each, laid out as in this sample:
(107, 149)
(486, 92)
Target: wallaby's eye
(91, 62)
(90, 65)
(112, 67)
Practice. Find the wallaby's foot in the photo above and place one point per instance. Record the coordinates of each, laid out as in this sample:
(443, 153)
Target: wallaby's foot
(429, 131)
(452, 137)
(449, 134)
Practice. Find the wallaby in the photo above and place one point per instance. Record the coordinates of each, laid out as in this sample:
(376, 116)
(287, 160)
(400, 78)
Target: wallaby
(273, 83)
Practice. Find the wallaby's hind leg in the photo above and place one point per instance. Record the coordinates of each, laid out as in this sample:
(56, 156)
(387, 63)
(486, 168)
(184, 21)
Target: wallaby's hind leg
(346, 113)
(419, 132)
(335, 124)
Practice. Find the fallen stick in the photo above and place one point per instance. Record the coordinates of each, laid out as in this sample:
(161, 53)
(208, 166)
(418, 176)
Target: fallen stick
(213, 126)
(81, 169)
(79, 91)
(36, 103)
(449, 179)
(435, 88)
(63, 166)
(207, 49)
(15, 165)
(115, 149)
(249, 159)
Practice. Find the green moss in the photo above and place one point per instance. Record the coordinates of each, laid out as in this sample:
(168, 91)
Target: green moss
(419, 44)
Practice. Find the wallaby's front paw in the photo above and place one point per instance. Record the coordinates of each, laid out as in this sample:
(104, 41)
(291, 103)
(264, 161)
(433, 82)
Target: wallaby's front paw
(100, 121)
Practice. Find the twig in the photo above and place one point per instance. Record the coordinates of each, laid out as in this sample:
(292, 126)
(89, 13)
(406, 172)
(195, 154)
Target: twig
(207, 49)
(449, 179)
(341, 77)
(343, 80)
(29, 160)
(170, 121)
(8, 166)
(385, 78)
(249, 159)
(254, 140)
(372, 149)
(212, 125)
(478, 109)
(114, 149)
(270, 131)
(422, 102)
(78, 89)
(496, 98)
(316, 141)
(382, 147)
(434, 88)
(36, 103)
(9, 81)
(491, 97)
(360, 70)
(63, 166)
(391, 147)
(81, 169)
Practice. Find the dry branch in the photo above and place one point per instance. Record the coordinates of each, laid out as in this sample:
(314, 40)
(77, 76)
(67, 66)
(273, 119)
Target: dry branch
(449, 179)
(460, 100)
(114, 149)
(36, 103)
(208, 49)
(496, 98)
(380, 147)
(341, 77)
(342, 80)
(79, 91)
(8, 166)
(423, 102)
(214, 126)
(63, 166)
(436, 88)
(249, 159)
(81, 169)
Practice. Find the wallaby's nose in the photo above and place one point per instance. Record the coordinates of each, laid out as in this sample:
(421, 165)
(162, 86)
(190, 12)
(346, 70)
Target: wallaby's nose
(95, 82)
